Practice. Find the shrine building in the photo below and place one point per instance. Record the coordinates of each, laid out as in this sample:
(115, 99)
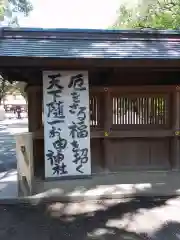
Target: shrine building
(103, 110)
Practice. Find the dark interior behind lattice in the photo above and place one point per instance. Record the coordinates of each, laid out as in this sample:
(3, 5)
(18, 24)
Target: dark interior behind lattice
(96, 110)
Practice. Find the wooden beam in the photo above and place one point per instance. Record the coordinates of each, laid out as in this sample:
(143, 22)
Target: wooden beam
(107, 128)
(138, 89)
(123, 134)
(81, 63)
(133, 134)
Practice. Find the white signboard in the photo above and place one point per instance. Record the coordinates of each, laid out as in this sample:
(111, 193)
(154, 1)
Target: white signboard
(66, 123)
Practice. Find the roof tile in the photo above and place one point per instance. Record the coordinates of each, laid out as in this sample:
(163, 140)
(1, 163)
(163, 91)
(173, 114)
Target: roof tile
(90, 48)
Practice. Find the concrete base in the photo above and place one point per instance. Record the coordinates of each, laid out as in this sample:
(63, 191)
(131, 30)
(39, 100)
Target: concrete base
(123, 184)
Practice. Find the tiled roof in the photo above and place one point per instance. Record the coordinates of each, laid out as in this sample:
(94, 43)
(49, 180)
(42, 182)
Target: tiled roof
(90, 44)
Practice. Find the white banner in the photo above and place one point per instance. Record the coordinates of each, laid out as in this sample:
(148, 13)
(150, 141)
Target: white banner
(66, 123)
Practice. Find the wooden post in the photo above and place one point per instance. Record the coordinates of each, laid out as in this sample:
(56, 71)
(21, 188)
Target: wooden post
(107, 128)
(35, 99)
(176, 127)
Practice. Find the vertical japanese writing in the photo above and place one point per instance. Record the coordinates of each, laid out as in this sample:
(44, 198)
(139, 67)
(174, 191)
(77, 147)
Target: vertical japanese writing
(55, 117)
(55, 108)
(78, 128)
(66, 124)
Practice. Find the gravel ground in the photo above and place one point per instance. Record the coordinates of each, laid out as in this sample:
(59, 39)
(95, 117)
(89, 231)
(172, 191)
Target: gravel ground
(106, 220)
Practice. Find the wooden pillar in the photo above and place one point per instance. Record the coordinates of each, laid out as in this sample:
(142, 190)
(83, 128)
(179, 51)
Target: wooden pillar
(176, 127)
(107, 129)
(35, 99)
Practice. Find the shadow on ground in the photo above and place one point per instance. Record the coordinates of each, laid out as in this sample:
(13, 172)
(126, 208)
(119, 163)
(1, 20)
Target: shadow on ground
(107, 220)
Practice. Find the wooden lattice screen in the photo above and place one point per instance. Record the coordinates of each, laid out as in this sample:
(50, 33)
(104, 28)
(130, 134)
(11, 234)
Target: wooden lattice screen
(131, 110)
(138, 110)
(96, 110)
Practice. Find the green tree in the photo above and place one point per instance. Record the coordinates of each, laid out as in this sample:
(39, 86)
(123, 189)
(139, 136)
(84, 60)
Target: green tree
(19, 87)
(9, 10)
(157, 14)
(11, 88)
(5, 88)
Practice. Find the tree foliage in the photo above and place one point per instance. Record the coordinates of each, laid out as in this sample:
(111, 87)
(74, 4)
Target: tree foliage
(157, 14)
(11, 88)
(19, 87)
(9, 9)
(6, 87)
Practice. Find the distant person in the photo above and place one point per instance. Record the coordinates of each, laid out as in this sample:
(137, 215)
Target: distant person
(18, 110)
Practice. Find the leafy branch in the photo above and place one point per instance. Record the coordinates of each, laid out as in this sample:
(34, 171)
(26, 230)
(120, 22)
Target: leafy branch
(158, 14)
